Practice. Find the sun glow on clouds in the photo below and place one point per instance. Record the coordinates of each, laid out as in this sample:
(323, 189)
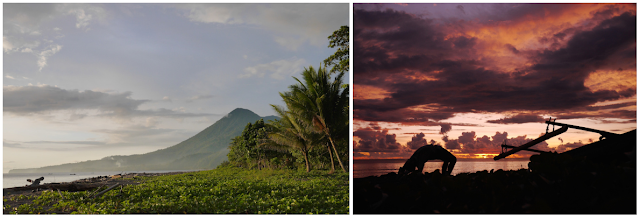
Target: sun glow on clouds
(618, 80)
(493, 70)
(369, 92)
(532, 32)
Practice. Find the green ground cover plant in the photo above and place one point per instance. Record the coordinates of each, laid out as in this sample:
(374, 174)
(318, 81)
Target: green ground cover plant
(225, 190)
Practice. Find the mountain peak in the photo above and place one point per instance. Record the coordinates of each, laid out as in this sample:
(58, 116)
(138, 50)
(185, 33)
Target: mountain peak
(242, 112)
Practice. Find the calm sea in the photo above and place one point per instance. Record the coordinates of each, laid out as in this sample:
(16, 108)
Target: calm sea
(20, 179)
(364, 168)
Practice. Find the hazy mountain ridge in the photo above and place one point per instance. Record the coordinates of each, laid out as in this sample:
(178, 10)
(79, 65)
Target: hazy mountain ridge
(205, 150)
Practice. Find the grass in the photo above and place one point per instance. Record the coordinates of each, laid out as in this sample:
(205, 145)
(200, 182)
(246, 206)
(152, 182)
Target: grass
(227, 190)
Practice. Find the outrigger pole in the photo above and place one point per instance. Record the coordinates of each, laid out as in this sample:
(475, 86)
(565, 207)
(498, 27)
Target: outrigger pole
(603, 134)
(532, 143)
(526, 146)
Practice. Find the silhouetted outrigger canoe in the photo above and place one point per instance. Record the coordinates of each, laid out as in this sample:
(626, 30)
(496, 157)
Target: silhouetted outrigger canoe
(610, 146)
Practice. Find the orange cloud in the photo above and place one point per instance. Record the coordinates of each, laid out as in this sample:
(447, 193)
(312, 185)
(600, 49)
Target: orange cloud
(369, 92)
(617, 80)
(499, 42)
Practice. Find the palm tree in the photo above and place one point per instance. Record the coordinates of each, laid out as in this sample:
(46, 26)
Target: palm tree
(322, 103)
(290, 132)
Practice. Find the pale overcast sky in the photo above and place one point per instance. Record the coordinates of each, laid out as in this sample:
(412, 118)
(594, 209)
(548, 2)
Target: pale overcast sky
(86, 81)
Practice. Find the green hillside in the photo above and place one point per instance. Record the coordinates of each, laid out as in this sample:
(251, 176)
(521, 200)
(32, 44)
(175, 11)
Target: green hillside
(205, 150)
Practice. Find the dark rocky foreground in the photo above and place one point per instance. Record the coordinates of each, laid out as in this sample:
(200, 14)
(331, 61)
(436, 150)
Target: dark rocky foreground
(553, 184)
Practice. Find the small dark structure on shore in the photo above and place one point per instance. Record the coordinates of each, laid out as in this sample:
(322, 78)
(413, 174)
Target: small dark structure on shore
(35, 182)
(598, 178)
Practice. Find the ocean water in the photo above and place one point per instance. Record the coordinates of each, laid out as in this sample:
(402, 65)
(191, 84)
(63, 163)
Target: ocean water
(20, 179)
(364, 168)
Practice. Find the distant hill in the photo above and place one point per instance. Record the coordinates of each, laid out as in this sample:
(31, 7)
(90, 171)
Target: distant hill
(205, 150)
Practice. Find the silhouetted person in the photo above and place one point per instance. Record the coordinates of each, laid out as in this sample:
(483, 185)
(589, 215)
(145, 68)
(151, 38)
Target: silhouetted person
(426, 153)
(36, 182)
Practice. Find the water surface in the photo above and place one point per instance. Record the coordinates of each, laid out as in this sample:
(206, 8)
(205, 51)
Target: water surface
(377, 167)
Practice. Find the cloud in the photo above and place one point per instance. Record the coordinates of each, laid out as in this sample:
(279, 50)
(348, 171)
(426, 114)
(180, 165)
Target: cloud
(53, 145)
(199, 97)
(34, 99)
(461, 8)
(19, 44)
(450, 144)
(11, 144)
(432, 69)
(520, 118)
(372, 140)
(27, 100)
(568, 146)
(29, 15)
(291, 24)
(469, 142)
(6, 45)
(67, 142)
(417, 141)
(85, 13)
(23, 31)
(445, 128)
(42, 57)
(131, 134)
(277, 69)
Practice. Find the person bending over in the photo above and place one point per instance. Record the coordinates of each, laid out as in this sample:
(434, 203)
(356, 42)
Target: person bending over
(426, 153)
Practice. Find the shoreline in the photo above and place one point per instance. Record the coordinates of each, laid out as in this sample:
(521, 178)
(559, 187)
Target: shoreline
(24, 194)
(85, 182)
(14, 180)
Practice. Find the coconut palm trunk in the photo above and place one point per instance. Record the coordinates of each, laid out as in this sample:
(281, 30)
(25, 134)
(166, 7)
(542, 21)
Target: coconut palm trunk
(337, 156)
(306, 160)
(333, 167)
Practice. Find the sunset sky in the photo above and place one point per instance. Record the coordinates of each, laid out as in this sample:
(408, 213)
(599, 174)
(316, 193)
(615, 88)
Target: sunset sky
(86, 81)
(470, 76)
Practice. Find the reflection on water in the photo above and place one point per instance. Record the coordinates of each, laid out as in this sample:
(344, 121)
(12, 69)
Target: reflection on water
(364, 168)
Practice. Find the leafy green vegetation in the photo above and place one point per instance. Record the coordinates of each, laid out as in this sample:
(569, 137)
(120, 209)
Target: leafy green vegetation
(314, 105)
(245, 150)
(340, 59)
(313, 127)
(224, 190)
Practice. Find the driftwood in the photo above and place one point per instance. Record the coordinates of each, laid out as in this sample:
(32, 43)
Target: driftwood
(94, 192)
(106, 190)
(60, 194)
(70, 187)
